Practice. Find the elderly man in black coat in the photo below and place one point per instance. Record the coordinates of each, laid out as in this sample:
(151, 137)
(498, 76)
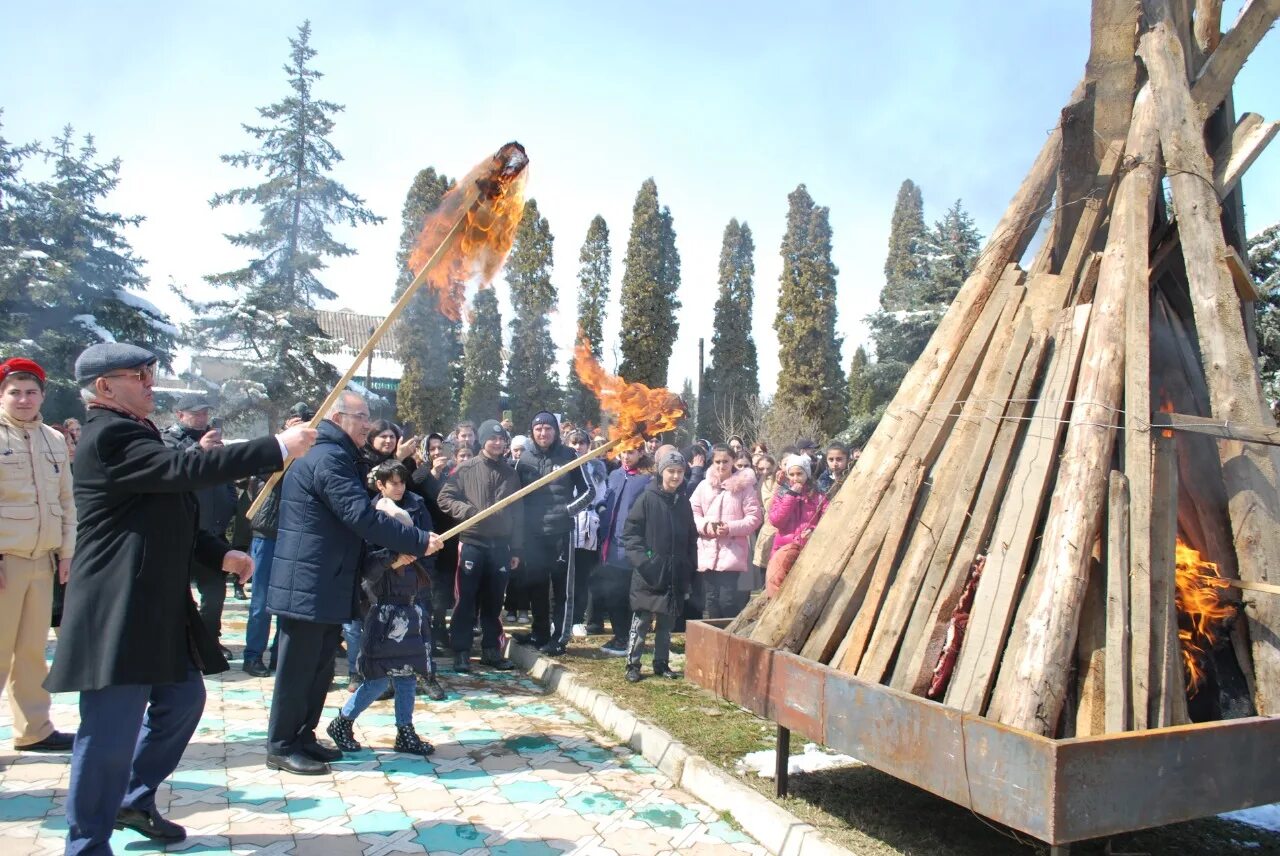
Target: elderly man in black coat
(132, 642)
(326, 515)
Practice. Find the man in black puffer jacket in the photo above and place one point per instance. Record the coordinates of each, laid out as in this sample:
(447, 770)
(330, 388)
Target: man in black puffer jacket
(326, 515)
(549, 514)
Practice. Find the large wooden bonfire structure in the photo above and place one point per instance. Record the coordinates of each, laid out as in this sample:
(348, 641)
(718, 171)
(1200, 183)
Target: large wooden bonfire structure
(1014, 540)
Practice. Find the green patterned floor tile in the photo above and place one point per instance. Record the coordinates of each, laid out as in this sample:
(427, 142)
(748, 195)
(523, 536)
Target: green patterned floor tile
(528, 792)
(380, 822)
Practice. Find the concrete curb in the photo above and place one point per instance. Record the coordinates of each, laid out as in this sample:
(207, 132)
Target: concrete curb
(778, 830)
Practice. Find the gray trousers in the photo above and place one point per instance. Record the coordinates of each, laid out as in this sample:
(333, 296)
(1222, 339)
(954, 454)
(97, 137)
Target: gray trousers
(642, 621)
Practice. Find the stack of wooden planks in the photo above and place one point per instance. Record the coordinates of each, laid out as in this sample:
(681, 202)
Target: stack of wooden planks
(1005, 543)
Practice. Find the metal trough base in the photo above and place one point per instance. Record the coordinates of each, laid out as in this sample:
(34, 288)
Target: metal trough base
(1058, 791)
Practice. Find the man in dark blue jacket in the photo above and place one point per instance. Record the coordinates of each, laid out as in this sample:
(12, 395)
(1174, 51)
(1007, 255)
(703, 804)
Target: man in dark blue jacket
(326, 515)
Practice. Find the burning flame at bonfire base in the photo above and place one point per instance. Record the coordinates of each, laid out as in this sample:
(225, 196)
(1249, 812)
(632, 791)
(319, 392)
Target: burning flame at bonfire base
(491, 197)
(638, 411)
(1199, 601)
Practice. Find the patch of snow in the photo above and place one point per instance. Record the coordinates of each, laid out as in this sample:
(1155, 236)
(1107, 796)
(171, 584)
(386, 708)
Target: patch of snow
(812, 759)
(91, 324)
(1263, 816)
(33, 254)
(150, 312)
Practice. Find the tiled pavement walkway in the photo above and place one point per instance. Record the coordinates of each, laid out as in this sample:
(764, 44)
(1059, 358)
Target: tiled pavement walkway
(516, 772)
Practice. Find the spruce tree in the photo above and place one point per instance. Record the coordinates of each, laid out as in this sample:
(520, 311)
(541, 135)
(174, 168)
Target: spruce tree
(429, 343)
(902, 268)
(734, 378)
(1264, 262)
(270, 320)
(581, 403)
(482, 363)
(944, 258)
(810, 376)
(68, 276)
(650, 282)
(531, 372)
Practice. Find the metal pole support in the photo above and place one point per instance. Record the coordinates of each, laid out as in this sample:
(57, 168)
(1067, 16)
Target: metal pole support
(781, 757)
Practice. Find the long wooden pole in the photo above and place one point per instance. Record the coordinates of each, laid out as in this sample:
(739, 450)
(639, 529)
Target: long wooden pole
(449, 239)
(507, 501)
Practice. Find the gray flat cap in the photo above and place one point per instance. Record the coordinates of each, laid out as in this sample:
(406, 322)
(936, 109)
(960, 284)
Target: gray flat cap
(194, 401)
(97, 360)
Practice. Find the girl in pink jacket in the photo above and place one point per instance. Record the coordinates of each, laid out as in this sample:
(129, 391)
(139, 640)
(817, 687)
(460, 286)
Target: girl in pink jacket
(726, 511)
(797, 507)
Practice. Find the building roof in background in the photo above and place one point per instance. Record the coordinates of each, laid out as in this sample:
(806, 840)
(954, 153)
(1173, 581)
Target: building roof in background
(352, 330)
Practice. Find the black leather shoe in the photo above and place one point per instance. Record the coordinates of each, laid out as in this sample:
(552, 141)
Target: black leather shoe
(553, 649)
(57, 741)
(227, 653)
(493, 658)
(149, 824)
(321, 752)
(462, 662)
(257, 668)
(298, 764)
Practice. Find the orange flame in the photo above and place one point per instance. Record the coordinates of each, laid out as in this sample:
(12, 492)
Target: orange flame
(1200, 603)
(491, 198)
(637, 410)
(1166, 406)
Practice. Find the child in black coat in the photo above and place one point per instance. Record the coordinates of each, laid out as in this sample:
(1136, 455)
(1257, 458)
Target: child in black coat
(396, 634)
(661, 542)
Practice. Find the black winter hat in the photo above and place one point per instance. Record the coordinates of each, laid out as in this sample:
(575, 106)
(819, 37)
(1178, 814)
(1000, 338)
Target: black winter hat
(491, 428)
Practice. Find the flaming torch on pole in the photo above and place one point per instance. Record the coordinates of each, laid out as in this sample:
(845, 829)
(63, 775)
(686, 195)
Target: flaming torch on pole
(466, 239)
(637, 410)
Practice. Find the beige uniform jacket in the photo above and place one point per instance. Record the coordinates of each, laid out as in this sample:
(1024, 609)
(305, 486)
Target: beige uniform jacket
(37, 511)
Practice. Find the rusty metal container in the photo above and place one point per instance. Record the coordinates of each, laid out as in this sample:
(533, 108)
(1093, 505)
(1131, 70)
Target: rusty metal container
(1058, 791)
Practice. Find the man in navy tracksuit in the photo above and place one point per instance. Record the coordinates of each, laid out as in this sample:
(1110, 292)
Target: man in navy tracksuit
(488, 551)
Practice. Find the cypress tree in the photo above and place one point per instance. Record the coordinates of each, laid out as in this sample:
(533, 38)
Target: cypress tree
(810, 376)
(1264, 262)
(429, 343)
(68, 276)
(733, 372)
(861, 391)
(650, 282)
(482, 361)
(593, 297)
(902, 267)
(270, 322)
(531, 377)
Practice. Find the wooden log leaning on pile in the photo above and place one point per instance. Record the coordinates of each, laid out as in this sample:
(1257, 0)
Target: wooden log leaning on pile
(1029, 691)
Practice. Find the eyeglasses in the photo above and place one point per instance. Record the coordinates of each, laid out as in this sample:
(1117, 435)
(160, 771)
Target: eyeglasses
(359, 417)
(141, 375)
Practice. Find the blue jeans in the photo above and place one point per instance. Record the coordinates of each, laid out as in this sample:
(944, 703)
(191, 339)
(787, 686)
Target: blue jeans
(130, 740)
(263, 551)
(370, 690)
(352, 633)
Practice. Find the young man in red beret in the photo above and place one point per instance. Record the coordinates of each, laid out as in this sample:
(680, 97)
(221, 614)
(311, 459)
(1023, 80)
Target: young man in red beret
(37, 538)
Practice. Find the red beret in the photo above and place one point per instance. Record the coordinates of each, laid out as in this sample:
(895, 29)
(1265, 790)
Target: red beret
(21, 364)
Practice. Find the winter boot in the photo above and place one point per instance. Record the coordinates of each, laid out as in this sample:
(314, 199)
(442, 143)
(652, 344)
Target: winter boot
(662, 670)
(435, 692)
(462, 662)
(339, 732)
(492, 657)
(633, 673)
(408, 741)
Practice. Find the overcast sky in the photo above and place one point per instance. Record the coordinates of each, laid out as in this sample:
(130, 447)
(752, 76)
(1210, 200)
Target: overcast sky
(728, 105)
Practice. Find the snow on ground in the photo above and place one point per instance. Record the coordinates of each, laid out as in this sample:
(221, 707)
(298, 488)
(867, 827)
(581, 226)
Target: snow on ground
(1263, 816)
(812, 759)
